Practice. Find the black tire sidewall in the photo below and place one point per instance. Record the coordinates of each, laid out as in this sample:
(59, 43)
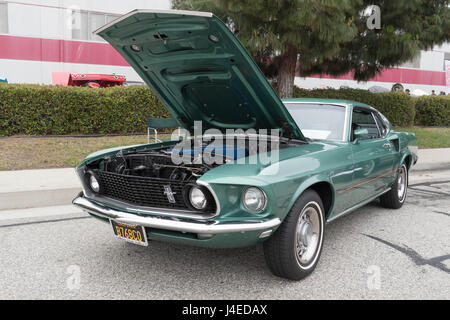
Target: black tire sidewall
(286, 237)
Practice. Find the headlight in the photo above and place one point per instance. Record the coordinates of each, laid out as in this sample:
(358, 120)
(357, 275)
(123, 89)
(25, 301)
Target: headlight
(197, 198)
(254, 199)
(93, 182)
(95, 186)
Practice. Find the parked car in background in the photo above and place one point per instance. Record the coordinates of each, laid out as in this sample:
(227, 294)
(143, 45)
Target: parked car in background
(87, 80)
(333, 156)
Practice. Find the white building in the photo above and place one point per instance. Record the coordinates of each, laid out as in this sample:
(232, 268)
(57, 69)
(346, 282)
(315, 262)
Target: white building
(38, 37)
(426, 72)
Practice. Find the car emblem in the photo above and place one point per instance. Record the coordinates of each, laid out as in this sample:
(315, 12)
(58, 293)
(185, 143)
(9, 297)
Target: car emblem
(168, 192)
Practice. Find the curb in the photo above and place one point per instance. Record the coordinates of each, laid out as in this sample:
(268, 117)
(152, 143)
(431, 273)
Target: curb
(23, 194)
(37, 198)
(37, 188)
(31, 213)
(435, 166)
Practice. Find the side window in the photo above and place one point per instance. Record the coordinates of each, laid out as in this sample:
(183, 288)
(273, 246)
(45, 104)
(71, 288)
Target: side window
(362, 119)
(381, 125)
(385, 120)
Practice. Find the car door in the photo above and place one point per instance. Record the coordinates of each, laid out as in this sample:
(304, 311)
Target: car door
(373, 157)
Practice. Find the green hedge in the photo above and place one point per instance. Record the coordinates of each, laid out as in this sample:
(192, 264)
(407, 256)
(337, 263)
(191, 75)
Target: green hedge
(397, 107)
(433, 111)
(51, 110)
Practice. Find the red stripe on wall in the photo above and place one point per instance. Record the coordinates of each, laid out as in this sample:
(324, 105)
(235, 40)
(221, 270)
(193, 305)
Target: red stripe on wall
(50, 50)
(67, 51)
(399, 75)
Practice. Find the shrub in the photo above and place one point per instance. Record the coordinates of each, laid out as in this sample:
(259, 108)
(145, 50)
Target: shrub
(433, 111)
(397, 107)
(53, 110)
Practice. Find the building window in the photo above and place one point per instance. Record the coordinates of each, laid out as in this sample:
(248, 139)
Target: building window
(414, 63)
(85, 23)
(80, 26)
(3, 17)
(96, 21)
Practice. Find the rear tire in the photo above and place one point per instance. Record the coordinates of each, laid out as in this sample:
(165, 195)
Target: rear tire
(294, 249)
(396, 197)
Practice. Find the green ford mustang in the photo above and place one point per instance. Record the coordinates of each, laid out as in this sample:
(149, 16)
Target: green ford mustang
(321, 160)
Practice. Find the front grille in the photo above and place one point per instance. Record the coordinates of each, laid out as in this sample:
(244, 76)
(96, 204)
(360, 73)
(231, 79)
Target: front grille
(145, 191)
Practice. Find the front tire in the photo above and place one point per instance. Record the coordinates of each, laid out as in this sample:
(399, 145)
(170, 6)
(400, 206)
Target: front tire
(396, 197)
(294, 250)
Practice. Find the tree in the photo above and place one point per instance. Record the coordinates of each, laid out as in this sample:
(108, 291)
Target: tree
(329, 36)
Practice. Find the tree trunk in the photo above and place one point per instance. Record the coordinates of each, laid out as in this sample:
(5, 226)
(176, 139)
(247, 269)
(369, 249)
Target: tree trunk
(286, 74)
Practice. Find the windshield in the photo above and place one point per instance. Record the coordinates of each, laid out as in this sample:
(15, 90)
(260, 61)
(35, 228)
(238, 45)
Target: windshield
(319, 121)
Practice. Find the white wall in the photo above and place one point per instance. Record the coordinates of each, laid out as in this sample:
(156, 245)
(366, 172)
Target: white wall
(444, 47)
(432, 60)
(110, 6)
(118, 6)
(54, 22)
(51, 20)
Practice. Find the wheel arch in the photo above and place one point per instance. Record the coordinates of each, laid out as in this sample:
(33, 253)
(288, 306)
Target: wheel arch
(323, 187)
(408, 159)
(326, 193)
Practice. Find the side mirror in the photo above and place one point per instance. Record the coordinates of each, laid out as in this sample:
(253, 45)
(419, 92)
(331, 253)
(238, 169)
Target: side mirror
(360, 134)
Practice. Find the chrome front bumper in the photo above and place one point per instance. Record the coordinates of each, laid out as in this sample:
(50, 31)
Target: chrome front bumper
(199, 227)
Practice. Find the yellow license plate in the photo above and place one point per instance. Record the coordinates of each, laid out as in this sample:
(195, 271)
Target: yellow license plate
(133, 234)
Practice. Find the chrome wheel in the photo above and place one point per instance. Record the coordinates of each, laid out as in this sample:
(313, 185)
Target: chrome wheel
(402, 183)
(308, 234)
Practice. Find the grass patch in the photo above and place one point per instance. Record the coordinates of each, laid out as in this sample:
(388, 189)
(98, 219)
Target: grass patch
(44, 153)
(430, 138)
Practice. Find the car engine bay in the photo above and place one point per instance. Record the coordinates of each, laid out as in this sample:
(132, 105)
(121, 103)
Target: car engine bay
(166, 177)
(196, 160)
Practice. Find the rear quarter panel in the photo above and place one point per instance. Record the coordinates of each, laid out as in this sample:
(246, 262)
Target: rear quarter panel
(408, 148)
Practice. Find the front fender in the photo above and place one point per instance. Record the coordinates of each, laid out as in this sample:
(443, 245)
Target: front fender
(307, 184)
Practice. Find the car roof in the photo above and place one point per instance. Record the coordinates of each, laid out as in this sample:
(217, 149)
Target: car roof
(329, 101)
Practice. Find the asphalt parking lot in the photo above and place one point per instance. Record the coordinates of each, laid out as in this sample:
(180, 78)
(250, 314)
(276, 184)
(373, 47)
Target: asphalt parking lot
(373, 253)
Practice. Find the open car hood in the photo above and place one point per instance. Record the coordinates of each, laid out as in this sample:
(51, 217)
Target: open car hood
(199, 70)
